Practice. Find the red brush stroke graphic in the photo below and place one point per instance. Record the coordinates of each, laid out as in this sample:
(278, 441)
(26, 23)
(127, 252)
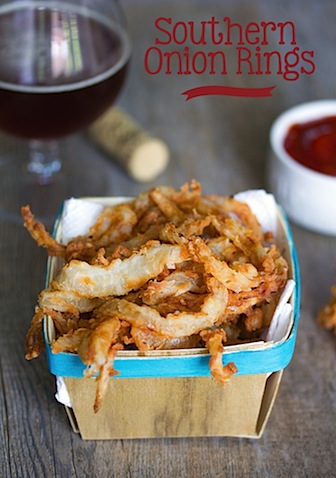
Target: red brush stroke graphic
(228, 91)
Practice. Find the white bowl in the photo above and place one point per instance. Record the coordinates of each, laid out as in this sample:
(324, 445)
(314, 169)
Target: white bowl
(308, 197)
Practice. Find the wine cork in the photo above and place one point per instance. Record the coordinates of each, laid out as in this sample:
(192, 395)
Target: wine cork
(143, 156)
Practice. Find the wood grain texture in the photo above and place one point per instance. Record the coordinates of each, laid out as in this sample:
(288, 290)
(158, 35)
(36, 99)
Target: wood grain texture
(169, 407)
(222, 142)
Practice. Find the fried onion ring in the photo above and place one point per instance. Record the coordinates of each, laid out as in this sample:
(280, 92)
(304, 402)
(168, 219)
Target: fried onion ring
(120, 276)
(177, 324)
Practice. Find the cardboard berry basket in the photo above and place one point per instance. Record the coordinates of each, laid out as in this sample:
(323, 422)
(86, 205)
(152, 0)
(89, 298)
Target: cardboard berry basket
(171, 393)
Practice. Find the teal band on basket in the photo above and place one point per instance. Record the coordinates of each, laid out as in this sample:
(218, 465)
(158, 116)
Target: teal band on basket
(271, 359)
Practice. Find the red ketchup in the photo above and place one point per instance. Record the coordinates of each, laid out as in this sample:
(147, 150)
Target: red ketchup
(313, 144)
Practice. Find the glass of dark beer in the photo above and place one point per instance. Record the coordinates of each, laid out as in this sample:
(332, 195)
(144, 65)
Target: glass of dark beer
(62, 64)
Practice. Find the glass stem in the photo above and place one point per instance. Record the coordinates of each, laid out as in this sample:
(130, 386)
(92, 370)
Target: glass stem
(44, 161)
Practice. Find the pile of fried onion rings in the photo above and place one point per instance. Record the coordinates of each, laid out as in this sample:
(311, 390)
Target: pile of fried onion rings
(170, 269)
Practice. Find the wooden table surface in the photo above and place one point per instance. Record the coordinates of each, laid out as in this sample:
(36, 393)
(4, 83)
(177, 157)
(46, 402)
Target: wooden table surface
(223, 143)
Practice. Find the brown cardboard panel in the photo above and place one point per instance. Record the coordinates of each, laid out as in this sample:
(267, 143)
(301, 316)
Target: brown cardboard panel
(169, 407)
(271, 391)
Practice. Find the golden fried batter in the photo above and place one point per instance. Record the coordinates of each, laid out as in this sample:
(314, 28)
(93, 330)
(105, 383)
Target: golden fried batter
(327, 315)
